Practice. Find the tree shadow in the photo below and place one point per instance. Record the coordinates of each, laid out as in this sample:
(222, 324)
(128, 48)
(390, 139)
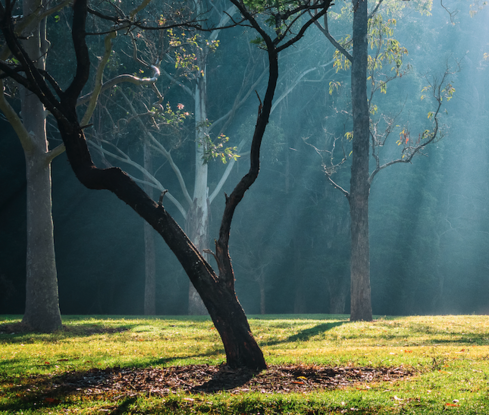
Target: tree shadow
(17, 332)
(124, 406)
(225, 379)
(168, 361)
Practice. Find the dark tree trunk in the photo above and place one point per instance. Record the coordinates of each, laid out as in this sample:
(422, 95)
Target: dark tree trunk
(361, 307)
(216, 291)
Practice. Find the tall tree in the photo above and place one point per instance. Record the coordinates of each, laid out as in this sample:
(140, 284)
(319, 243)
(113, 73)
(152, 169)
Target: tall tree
(42, 311)
(365, 82)
(42, 304)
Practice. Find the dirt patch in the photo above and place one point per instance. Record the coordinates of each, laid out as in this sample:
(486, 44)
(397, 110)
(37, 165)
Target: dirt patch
(210, 379)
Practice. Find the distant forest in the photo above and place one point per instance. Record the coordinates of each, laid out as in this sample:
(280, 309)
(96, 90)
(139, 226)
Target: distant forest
(191, 115)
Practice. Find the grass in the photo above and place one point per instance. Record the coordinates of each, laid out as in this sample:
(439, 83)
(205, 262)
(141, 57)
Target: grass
(449, 355)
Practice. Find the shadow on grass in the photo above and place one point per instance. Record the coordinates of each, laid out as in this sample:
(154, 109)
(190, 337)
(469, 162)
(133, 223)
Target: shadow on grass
(124, 406)
(18, 332)
(306, 334)
(67, 389)
(170, 361)
(115, 388)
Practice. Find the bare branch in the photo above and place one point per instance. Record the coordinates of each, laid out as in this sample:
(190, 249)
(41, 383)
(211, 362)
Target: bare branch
(15, 121)
(56, 151)
(325, 31)
(375, 9)
(152, 181)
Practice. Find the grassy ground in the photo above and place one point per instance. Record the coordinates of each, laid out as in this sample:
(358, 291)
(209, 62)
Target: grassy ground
(448, 354)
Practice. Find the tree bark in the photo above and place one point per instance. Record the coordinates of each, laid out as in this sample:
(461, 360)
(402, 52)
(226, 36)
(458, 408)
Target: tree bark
(42, 305)
(149, 248)
(361, 307)
(197, 223)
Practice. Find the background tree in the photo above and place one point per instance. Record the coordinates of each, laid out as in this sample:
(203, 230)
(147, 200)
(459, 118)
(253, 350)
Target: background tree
(366, 71)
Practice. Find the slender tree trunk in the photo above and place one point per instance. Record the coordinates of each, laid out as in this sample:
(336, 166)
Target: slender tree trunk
(197, 223)
(261, 284)
(42, 305)
(299, 298)
(361, 307)
(149, 248)
(338, 290)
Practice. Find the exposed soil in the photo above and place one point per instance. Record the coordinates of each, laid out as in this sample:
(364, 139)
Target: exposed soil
(210, 379)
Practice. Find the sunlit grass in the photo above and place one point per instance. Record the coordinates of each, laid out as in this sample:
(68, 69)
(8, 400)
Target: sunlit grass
(450, 355)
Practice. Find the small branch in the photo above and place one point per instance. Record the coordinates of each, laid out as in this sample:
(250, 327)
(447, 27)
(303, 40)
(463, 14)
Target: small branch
(337, 186)
(15, 121)
(56, 151)
(325, 31)
(261, 104)
(208, 251)
(121, 79)
(375, 9)
(160, 200)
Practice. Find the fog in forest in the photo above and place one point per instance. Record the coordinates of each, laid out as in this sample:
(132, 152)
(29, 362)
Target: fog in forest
(290, 237)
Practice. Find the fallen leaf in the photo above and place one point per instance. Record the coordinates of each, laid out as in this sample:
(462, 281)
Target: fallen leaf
(52, 400)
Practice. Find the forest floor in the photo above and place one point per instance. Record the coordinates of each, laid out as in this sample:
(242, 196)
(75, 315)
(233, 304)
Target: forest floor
(317, 364)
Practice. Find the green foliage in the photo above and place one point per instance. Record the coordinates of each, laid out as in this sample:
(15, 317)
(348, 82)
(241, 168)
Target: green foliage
(216, 150)
(334, 86)
(167, 116)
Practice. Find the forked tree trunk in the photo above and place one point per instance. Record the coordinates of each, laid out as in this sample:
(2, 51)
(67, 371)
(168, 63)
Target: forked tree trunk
(42, 305)
(361, 307)
(149, 248)
(217, 291)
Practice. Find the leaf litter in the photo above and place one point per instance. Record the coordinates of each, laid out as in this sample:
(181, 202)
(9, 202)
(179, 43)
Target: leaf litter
(123, 382)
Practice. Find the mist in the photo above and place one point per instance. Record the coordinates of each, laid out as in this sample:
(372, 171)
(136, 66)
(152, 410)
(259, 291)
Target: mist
(290, 239)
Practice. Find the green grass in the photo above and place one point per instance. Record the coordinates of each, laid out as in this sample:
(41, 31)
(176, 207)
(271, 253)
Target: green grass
(449, 355)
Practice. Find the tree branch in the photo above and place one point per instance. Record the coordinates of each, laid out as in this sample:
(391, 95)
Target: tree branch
(325, 31)
(15, 121)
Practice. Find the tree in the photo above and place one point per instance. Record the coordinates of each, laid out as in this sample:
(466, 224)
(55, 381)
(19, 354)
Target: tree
(216, 290)
(42, 306)
(370, 28)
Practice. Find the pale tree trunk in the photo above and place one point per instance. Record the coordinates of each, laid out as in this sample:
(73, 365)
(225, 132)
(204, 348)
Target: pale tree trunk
(338, 290)
(149, 247)
(197, 222)
(299, 299)
(261, 284)
(361, 306)
(42, 306)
